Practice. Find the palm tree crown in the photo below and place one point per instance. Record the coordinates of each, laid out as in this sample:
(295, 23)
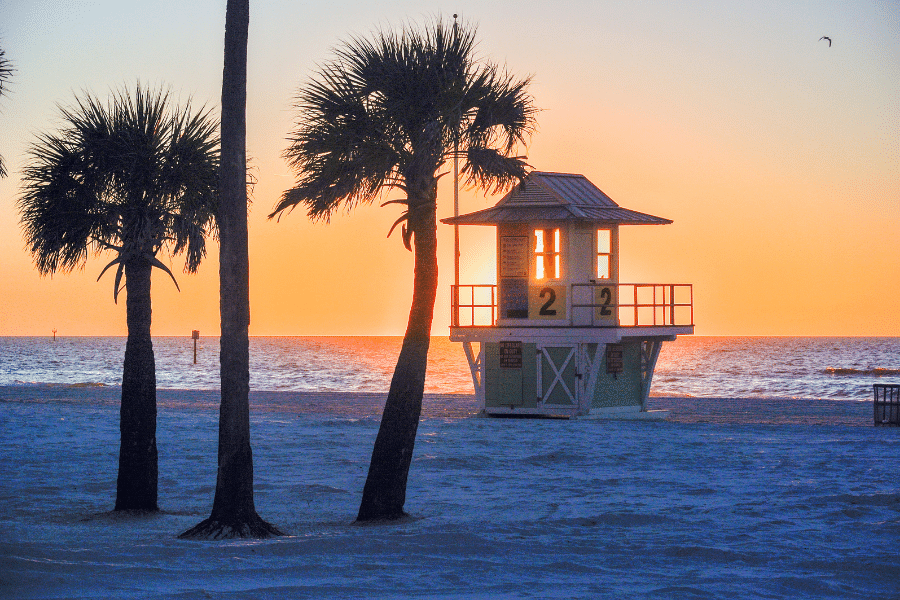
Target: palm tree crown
(389, 113)
(131, 176)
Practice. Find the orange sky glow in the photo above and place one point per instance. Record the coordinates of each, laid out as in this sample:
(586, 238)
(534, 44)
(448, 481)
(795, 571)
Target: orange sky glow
(777, 157)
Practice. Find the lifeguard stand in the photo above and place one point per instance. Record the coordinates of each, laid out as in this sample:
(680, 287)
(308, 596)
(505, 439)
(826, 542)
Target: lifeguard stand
(559, 335)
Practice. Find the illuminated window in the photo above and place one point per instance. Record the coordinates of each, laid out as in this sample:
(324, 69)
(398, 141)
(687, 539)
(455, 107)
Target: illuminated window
(604, 252)
(546, 254)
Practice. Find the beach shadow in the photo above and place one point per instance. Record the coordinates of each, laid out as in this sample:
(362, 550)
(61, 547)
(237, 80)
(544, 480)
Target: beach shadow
(126, 516)
(401, 520)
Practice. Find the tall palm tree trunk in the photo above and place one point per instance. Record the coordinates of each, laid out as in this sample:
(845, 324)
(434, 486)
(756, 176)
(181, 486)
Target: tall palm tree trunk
(234, 485)
(233, 512)
(136, 488)
(385, 491)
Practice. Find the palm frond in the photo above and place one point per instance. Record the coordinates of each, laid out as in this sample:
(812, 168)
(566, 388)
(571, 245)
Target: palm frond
(502, 116)
(490, 169)
(401, 219)
(155, 262)
(6, 71)
(117, 287)
(116, 261)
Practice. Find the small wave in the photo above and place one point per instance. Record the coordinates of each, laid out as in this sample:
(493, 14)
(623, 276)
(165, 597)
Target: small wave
(845, 372)
(866, 499)
(56, 384)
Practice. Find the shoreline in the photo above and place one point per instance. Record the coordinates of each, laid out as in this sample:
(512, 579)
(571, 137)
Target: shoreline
(369, 405)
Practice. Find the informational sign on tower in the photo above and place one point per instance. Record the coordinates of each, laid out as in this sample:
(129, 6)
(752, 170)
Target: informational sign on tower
(511, 355)
(513, 256)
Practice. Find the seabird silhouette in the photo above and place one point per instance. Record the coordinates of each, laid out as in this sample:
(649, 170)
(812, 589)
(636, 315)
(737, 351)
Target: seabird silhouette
(825, 37)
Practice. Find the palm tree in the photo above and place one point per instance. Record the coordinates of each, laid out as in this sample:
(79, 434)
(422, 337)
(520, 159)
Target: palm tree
(5, 72)
(135, 176)
(388, 114)
(233, 512)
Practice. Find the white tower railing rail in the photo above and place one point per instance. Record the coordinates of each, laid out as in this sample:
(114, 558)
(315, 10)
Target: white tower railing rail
(632, 304)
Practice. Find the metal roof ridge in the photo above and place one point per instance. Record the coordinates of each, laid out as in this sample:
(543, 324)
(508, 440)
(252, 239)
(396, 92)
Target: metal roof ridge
(560, 201)
(590, 187)
(555, 173)
(534, 205)
(553, 193)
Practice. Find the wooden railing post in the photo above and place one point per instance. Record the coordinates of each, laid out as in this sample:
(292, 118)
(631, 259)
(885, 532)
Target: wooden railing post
(635, 289)
(454, 306)
(654, 306)
(671, 305)
(494, 306)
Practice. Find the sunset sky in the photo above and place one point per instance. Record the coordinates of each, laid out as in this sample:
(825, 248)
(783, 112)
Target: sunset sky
(776, 156)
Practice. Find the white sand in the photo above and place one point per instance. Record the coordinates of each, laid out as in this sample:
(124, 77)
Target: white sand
(503, 508)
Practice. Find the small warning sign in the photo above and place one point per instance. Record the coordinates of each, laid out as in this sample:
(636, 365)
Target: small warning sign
(511, 355)
(615, 362)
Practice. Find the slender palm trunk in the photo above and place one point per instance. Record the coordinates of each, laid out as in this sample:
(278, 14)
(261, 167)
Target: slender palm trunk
(233, 512)
(136, 488)
(385, 491)
(234, 484)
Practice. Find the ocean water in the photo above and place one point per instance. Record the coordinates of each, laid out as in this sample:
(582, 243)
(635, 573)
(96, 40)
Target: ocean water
(738, 367)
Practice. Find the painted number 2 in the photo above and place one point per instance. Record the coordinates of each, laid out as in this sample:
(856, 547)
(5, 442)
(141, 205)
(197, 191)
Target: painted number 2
(606, 300)
(545, 308)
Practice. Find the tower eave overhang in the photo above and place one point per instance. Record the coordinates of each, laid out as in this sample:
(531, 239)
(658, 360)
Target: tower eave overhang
(522, 214)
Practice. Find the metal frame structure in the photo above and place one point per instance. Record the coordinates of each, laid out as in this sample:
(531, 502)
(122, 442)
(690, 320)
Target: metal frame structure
(886, 404)
(587, 370)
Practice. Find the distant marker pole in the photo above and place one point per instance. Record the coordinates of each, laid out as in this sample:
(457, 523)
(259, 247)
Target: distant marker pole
(195, 335)
(54, 335)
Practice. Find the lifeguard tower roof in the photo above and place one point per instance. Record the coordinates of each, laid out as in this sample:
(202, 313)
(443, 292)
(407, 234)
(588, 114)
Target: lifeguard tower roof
(544, 196)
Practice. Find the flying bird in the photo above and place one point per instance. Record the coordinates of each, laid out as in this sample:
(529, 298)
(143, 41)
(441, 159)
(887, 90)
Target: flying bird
(825, 37)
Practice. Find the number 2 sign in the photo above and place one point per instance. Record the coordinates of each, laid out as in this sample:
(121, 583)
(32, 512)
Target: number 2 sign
(605, 305)
(547, 302)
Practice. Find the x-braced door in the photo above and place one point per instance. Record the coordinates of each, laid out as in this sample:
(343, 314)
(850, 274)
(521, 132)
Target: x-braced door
(558, 376)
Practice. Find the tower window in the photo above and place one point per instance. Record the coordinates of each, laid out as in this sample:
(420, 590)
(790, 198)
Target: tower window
(604, 253)
(546, 254)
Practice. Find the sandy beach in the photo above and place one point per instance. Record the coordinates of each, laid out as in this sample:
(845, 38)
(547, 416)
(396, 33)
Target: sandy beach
(711, 504)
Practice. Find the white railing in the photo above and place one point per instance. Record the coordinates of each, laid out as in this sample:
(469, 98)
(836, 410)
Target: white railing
(586, 304)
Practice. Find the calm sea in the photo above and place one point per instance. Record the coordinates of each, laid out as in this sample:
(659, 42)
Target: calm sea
(738, 367)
